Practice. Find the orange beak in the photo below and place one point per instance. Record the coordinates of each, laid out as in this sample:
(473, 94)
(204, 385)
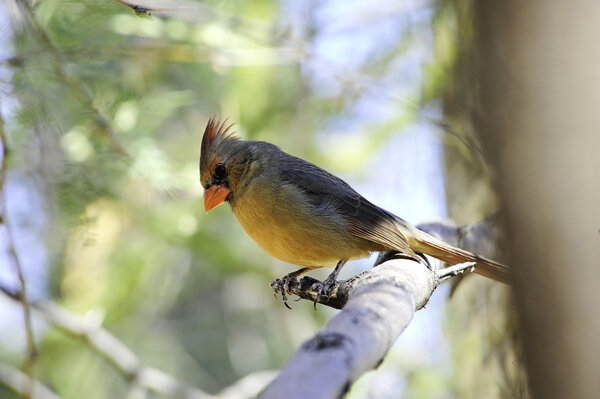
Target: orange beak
(214, 196)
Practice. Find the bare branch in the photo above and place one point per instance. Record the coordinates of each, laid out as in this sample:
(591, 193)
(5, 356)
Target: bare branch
(115, 351)
(145, 11)
(381, 303)
(377, 306)
(19, 382)
(124, 360)
(455, 270)
(22, 297)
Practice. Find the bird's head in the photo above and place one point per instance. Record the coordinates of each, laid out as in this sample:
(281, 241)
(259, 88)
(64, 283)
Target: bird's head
(225, 163)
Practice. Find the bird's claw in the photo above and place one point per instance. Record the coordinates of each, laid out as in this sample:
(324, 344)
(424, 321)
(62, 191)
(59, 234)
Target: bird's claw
(323, 289)
(281, 286)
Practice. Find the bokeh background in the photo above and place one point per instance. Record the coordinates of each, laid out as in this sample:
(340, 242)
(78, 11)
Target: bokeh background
(103, 113)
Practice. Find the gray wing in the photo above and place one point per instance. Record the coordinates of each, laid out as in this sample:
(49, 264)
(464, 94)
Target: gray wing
(333, 197)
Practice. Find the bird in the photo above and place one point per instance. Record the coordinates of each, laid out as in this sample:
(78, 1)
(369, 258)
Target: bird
(303, 215)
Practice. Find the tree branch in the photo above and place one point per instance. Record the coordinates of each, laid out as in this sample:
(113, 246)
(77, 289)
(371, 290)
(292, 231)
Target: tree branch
(381, 302)
(125, 360)
(377, 306)
(19, 382)
(84, 98)
(22, 297)
(146, 11)
(116, 352)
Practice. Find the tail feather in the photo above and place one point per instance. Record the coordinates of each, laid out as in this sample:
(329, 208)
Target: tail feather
(429, 245)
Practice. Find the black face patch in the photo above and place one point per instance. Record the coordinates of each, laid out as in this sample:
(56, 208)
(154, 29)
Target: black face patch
(220, 172)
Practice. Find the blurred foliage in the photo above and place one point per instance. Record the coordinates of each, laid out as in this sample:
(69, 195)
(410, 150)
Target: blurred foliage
(126, 238)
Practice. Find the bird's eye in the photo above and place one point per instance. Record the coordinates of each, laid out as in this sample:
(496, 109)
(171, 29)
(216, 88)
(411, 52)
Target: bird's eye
(219, 171)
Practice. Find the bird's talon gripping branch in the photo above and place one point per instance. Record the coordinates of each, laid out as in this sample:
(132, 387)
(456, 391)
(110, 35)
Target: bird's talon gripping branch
(318, 287)
(323, 289)
(326, 287)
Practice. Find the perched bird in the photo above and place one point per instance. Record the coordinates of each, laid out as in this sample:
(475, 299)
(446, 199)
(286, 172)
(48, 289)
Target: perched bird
(304, 215)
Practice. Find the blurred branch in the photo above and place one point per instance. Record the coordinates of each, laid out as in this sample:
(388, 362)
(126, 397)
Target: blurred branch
(101, 122)
(19, 382)
(377, 306)
(123, 359)
(22, 297)
(139, 9)
(113, 350)
(145, 11)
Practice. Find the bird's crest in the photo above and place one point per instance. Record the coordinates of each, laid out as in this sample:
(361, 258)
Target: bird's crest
(216, 132)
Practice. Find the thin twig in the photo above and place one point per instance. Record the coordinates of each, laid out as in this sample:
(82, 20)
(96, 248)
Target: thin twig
(101, 122)
(455, 270)
(145, 11)
(22, 297)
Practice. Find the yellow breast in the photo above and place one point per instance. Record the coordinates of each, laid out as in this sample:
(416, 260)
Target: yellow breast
(285, 227)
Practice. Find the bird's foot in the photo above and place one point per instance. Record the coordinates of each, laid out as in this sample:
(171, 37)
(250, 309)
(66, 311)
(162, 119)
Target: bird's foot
(282, 285)
(326, 287)
(290, 281)
(323, 289)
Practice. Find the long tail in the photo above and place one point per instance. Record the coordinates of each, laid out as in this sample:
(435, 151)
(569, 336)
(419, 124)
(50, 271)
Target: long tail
(422, 242)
